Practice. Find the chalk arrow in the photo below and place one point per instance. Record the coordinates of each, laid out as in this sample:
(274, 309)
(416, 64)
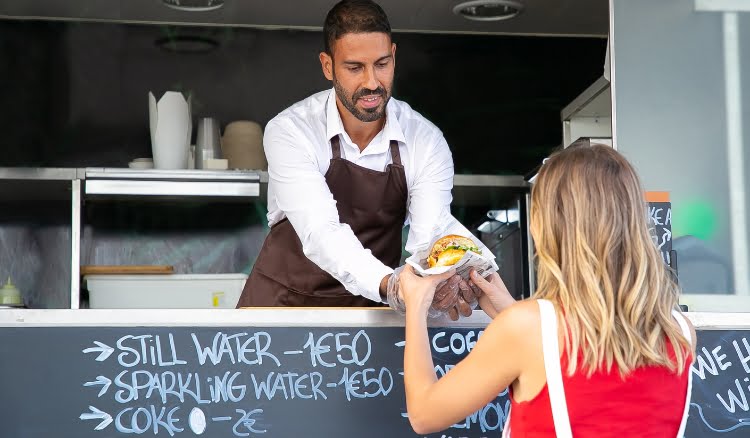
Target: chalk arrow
(100, 380)
(96, 414)
(743, 421)
(104, 351)
(667, 235)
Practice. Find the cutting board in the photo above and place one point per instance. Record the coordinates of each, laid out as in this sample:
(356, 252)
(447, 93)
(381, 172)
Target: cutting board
(126, 269)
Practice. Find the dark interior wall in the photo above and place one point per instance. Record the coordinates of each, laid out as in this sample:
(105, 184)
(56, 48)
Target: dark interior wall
(75, 94)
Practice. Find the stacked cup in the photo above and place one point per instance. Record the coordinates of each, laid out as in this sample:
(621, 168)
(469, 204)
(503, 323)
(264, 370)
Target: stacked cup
(207, 142)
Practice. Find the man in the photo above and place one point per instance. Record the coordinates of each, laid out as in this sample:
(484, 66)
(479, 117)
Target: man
(347, 169)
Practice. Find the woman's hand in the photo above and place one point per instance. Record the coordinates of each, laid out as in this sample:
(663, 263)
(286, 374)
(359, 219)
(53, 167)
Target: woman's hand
(495, 297)
(418, 292)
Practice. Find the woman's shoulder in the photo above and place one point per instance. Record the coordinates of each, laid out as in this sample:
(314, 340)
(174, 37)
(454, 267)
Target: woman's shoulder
(525, 308)
(520, 319)
(516, 333)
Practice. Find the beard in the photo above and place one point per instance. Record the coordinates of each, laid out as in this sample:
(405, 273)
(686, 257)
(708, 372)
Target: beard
(350, 102)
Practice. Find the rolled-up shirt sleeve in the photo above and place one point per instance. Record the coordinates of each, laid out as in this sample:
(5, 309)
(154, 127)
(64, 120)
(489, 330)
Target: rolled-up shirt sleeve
(304, 197)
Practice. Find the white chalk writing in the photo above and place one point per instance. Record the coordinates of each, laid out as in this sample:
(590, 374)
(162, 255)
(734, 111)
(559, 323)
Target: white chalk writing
(167, 385)
(712, 365)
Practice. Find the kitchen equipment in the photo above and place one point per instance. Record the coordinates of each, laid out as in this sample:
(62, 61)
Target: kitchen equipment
(242, 145)
(171, 129)
(177, 291)
(502, 224)
(10, 295)
(501, 233)
(207, 142)
(126, 269)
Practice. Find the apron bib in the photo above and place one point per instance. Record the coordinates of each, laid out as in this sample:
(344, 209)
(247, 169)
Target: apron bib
(371, 202)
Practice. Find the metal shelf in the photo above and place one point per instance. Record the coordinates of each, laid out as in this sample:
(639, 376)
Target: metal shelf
(143, 184)
(509, 181)
(468, 190)
(39, 173)
(24, 184)
(39, 184)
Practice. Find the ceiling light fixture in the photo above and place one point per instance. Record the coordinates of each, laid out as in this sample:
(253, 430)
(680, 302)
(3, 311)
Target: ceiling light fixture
(194, 5)
(488, 10)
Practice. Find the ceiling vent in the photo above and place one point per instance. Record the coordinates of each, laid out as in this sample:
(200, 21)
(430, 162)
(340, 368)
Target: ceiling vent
(488, 10)
(194, 5)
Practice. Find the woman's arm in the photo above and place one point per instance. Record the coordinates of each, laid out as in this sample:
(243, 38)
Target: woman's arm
(494, 363)
(495, 296)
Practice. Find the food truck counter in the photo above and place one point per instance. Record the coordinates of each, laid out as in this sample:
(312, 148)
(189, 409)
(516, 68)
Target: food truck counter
(273, 372)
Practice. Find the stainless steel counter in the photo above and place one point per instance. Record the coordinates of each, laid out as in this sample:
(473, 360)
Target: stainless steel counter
(274, 317)
(278, 317)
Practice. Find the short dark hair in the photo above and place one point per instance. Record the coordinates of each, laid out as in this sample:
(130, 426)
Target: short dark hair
(353, 16)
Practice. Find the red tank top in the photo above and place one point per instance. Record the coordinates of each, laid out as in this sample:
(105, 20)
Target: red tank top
(647, 403)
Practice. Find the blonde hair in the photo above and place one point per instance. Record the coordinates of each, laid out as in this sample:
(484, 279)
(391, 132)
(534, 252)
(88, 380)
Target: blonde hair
(597, 261)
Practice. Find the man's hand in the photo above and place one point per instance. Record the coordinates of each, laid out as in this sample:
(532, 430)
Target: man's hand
(456, 296)
(446, 294)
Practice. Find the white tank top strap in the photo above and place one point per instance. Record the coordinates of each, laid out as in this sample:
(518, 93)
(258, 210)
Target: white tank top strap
(681, 320)
(551, 350)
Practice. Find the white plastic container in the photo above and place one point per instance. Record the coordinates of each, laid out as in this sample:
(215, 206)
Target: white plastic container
(177, 291)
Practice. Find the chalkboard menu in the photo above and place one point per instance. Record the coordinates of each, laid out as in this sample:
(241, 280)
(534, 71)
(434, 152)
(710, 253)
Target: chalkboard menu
(219, 382)
(660, 219)
(720, 402)
(110, 382)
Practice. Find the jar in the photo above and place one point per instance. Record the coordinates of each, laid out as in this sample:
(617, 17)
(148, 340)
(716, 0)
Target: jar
(10, 295)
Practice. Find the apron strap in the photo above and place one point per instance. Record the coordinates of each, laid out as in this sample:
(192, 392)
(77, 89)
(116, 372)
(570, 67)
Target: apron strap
(395, 154)
(551, 350)
(689, 336)
(336, 147)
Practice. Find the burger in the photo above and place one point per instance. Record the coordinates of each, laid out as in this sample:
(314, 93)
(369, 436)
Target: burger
(449, 249)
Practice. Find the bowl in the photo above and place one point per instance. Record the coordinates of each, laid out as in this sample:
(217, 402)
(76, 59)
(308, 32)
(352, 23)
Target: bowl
(141, 163)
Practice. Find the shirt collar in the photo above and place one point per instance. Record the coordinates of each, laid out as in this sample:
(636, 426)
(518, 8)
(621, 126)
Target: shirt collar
(334, 126)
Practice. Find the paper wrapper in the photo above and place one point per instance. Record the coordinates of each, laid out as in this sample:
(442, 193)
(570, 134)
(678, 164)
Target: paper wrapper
(483, 263)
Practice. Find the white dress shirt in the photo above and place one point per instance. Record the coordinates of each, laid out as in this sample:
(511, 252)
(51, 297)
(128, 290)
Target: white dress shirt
(298, 149)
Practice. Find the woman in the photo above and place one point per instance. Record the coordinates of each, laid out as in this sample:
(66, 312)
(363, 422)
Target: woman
(618, 363)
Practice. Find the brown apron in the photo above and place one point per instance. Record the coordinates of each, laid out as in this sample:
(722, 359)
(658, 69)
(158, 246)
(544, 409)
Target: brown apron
(371, 202)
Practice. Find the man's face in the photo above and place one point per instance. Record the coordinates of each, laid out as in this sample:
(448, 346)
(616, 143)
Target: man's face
(362, 70)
